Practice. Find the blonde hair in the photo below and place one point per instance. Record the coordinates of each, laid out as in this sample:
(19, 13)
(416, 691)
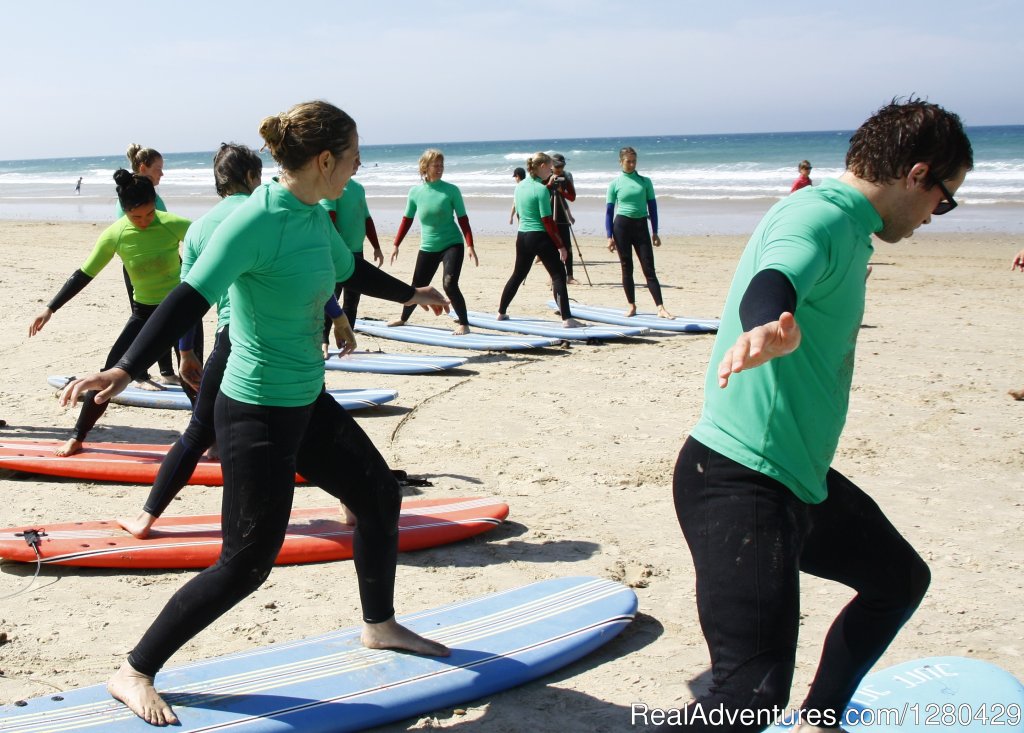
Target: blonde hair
(139, 156)
(428, 157)
(305, 131)
(536, 161)
(623, 152)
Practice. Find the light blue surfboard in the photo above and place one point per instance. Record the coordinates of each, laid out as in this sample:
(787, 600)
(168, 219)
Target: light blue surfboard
(173, 397)
(332, 683)
(554, 329)
(377, 362)
(443, 337)
(602, 314)
(935, 693)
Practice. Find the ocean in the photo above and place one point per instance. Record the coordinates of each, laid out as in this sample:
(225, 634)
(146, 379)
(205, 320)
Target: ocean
(704, 183)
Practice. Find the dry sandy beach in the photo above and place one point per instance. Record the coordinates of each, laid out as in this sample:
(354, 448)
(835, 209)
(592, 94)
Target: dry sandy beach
(581, 443)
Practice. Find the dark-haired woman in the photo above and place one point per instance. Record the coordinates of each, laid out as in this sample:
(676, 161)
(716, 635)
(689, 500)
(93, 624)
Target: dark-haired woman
(146, 240)
(281, 257)
(630, 202)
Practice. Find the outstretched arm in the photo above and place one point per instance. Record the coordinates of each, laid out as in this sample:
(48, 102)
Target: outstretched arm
(403, 229)
(72, 287)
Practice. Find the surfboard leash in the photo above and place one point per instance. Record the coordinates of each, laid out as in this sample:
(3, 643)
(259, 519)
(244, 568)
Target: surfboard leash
(32, 538)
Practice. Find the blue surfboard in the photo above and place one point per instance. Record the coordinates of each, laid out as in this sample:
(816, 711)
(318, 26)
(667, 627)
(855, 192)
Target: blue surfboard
(442, 337)
(377, 362)
(173, 397)
(602, 314)
(554, 329)
(332, 683)
(935, 693)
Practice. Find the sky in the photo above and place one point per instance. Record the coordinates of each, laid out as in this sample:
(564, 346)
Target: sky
(88, 78)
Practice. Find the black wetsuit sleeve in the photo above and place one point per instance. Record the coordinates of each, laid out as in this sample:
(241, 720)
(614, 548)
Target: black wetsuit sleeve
(373, 281)
(178, 312)
(768, 296)
(71, 287)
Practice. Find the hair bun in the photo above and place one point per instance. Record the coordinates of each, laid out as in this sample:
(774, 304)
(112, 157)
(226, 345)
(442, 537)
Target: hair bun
(123, 177)
(272, 130)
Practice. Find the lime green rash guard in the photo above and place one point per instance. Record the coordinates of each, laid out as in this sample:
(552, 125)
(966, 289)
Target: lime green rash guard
(150, 255)
(280, 257)
(630, 193)
(160, 206)
(198, 236)
(439, 204)
(533, 203)
(350, 214)
(784, 418)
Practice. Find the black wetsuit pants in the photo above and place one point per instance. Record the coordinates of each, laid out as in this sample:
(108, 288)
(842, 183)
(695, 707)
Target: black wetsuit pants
(750, 538)
(261, 449)
(630, 234)
(528, 246)
(165, 362)
(426, 267)
(349, 304)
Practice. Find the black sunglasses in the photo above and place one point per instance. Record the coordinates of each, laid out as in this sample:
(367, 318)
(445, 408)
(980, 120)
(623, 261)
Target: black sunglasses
(947, 204)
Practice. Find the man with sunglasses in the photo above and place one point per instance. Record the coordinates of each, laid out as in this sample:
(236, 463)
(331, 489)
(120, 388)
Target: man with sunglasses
(755, 494)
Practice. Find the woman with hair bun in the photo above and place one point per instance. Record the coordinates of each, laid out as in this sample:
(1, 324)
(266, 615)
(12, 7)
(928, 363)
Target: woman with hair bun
(281, 256)
(538, 237)
(146, 240)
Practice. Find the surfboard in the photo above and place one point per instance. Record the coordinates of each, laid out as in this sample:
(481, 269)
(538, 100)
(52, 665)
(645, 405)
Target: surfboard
(602, 314)
(934, 693)
(377, 362)
(332, 683)
(441, 337)
(554, 329)
(173, 397)
(314, 535)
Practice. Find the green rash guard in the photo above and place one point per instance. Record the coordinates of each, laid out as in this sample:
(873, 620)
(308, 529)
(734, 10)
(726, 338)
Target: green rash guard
(533, 203)
(160, 206)
(280, 257)
(784, 418)
(198, 236)
(439, 204)
(350, 214)
(150, 255)
(630, 193)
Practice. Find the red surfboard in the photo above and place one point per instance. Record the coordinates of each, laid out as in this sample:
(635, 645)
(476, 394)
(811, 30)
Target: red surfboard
(314, 535)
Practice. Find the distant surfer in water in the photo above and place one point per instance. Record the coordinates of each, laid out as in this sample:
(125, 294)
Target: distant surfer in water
(630, 203)
(756, 498)
(146, 240)
(439, 206)
(281, 257)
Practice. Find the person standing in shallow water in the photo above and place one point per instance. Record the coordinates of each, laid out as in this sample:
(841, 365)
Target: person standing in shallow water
(281, 256)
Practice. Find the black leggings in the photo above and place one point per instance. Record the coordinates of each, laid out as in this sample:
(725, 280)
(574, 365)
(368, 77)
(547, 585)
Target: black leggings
(165, 363)
(750, 538)
(528, 246)
(633, 234)
(426, 267)
(91, 412)
(183, 457)
(349, 304)
(261, 449)
(565, 232)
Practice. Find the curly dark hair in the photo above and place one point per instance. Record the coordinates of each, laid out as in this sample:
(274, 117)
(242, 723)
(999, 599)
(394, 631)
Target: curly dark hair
(902, 134)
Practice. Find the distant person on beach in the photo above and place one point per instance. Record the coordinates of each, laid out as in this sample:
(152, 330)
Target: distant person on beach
(1018, 264)
(351, 217)
(754, 492)
(78, 186)
(146, 240)
(440, 207)
(538, 237)
(630, 202)
(804, 179)
(281, 257)
(562, 190)
(517, 175)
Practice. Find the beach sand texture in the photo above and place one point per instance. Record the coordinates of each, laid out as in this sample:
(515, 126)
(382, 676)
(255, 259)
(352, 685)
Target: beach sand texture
(581, 443)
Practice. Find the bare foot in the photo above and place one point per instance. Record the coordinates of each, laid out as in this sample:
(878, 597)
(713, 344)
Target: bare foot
(460, 329)
(138, 527)
(69, 448)
(136, 691)
(631, 311)
(571, 323)
(572, 281)
(662, 313)
(347, 517)
(1017, 394)
(149, 385)
(396, 322)
(501, 317)
(170, 379)
(392, 635)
